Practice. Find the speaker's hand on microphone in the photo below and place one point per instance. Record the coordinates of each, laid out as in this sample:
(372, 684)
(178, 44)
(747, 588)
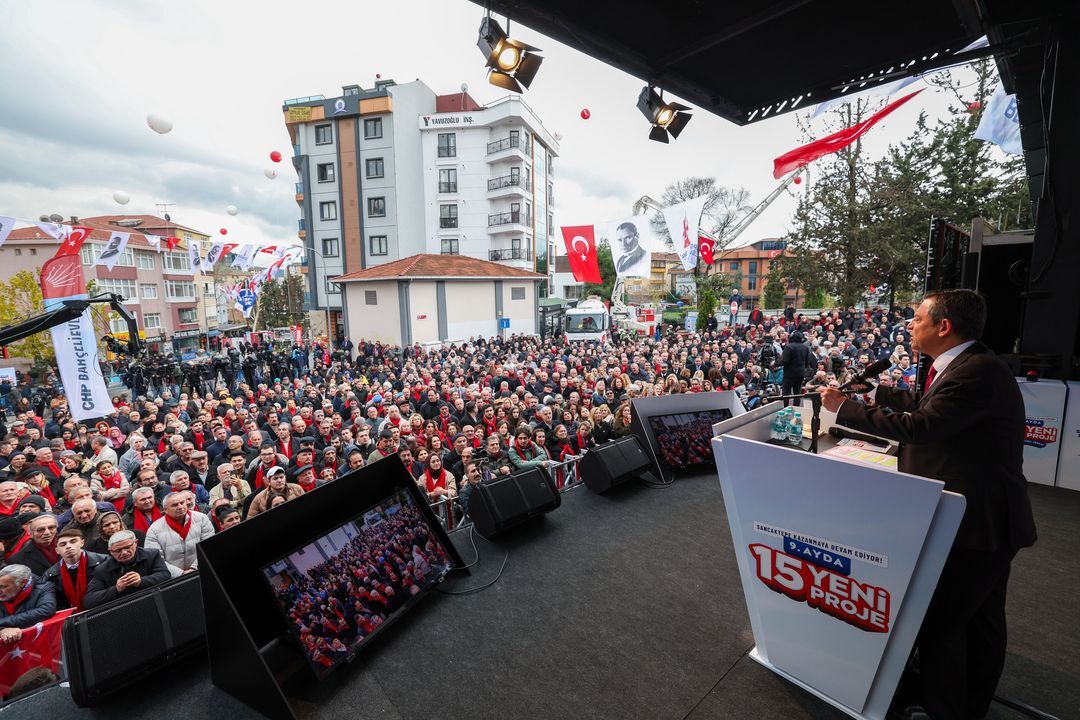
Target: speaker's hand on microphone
(831, 398)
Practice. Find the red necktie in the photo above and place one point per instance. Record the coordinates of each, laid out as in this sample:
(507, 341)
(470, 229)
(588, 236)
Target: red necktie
(930, 376)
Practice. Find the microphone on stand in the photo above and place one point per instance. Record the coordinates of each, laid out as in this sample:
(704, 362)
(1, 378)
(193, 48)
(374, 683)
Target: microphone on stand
(866, 376)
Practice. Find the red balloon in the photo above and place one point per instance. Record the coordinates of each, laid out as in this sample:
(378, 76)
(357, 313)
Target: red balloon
(798, 180)
(275, 156)
(223, 231)
(585, 114)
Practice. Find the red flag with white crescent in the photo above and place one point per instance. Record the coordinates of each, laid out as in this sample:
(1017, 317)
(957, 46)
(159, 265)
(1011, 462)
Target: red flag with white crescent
(74, 241)
(706, 245)
(773, 254)
(581, 252)
(172, 242)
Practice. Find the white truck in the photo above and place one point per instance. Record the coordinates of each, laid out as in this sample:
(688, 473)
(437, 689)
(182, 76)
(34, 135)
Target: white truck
(588, 321)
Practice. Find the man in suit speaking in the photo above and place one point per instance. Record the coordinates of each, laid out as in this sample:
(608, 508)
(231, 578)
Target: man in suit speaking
(966, 428)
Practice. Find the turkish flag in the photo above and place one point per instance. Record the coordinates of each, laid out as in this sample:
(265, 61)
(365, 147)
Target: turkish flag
(773, 254)
(74, 241)
(581, 251)
(39, 646)
(172, 242)
(705, 249)
(810, 152)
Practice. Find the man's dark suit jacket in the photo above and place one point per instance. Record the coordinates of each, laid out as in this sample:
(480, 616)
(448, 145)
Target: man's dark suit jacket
(968, 431)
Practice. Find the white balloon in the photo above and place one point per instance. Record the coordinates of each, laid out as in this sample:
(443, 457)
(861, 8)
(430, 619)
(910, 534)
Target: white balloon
(270, 173)
(231, 210)
(159, 123)
(121, 197)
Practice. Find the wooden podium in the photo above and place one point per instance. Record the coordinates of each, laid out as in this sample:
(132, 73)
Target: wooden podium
(838, 561)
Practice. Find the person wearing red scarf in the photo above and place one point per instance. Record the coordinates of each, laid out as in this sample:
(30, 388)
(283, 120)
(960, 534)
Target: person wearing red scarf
(145, 511)
(9, 498)
(305, 477)
(176, 535)
(73, 571)
(437, 481)
(23, 602)
(39, 554)
(13, 537)
(114, 486)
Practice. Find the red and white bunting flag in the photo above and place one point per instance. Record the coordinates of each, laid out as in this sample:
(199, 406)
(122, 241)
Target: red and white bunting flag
(806, 154)
(581, 252)
(7, 224)
(193, 256)
(74, 241)
(154, 240)
(706, 246)
(217, 251)
(246, 257)
(172, 242)
(269, 249)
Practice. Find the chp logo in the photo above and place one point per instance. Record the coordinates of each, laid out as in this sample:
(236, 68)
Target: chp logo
(1040, 432)
(818, 572)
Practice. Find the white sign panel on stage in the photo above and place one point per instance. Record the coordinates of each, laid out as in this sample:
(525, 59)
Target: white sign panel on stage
(1044, 410)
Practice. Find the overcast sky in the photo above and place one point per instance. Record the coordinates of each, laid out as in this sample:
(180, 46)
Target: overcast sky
(80, 78)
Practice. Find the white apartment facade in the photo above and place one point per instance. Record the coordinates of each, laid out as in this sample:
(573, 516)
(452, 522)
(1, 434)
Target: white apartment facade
(397, 171)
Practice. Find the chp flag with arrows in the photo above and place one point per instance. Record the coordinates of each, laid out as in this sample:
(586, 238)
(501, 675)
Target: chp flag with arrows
(581, 252)
(683, 224)
(806, 154)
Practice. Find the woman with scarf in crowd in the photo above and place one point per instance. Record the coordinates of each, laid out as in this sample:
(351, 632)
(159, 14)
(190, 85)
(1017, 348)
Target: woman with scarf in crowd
(524, 453)
(110, 523)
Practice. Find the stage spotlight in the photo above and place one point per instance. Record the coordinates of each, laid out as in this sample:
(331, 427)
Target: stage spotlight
(666, 118)
(511, 64)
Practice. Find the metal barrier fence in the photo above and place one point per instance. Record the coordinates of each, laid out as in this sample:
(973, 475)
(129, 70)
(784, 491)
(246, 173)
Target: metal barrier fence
(564, 474)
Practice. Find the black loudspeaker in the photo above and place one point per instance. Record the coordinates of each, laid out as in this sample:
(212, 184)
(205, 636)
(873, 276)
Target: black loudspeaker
(111, 647)
(613, 463)
(508, 501)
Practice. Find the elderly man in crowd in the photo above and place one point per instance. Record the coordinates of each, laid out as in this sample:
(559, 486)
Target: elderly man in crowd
(177, 533)
(40, 553)
(230, 486)
(129, 569)
(25, 600)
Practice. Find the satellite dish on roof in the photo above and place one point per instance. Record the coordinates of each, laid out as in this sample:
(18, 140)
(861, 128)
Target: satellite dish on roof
(56, 217)
(464, 87)
(44, 218)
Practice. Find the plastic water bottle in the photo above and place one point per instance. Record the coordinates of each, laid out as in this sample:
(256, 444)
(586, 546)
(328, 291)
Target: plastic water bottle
(795, 430)
(778, 431)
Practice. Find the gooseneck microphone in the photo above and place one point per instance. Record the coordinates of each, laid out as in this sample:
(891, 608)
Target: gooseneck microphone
(869, 374)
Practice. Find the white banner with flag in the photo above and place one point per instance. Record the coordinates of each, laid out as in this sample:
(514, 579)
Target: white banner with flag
(216, 252)
(245, 257)
(154, 240)
(632, 241)
(54, 230)
(683, 221)
(113, 250)
(7, 224)
(74, 341)
(1000, 123)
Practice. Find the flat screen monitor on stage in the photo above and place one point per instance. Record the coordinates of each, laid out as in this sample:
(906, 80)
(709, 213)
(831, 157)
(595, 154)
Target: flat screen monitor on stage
(676, 430)
(684, 440)
(340, 589)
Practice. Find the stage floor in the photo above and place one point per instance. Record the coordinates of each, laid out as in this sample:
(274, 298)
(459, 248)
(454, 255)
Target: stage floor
(626, 605)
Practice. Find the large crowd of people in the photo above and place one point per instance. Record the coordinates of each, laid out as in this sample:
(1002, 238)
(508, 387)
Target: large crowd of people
(92, 511)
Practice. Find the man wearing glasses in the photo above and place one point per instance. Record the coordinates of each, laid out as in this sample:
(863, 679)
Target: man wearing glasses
(129, 569)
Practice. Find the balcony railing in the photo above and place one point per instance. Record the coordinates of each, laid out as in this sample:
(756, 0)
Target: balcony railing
(508, 218)
(522, 253)
(505, 144)
(301, 225)
(503, 181)
(299, 188)
(448, 222)
(448, 187)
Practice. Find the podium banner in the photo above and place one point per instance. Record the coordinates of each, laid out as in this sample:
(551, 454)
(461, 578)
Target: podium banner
(829, 557)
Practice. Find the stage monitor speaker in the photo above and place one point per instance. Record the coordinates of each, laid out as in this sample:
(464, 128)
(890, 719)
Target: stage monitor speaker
(114, 646)
(506, 502)
(613, 463)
